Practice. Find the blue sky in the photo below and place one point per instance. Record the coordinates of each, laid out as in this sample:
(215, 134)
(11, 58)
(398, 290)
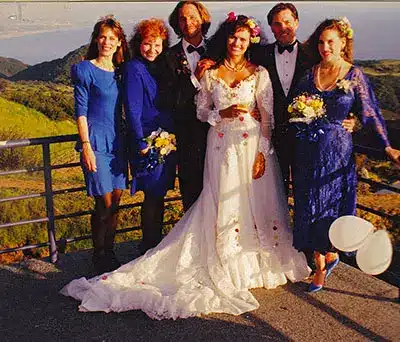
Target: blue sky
(38, 31)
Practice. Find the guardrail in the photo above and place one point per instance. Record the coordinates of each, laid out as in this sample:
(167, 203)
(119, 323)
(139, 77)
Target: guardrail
(49, 193)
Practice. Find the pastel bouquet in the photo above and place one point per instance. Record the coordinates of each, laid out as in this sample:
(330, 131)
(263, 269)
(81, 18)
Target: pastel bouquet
(306, 108)
(306, 113)
(160, 144)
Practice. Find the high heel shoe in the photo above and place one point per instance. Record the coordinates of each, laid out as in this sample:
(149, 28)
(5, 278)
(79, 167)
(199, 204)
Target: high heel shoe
(316, 287)
(330, 266)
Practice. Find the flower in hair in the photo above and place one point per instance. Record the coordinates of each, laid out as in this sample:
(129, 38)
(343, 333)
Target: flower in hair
(231, 17)
(345, 27)
(254, 30)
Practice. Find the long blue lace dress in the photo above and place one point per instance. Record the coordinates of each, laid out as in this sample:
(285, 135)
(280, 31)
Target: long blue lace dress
(324, 174)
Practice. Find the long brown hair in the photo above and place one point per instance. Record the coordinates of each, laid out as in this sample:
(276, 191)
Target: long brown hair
(204, 15)
(122, 53)
(311, 45)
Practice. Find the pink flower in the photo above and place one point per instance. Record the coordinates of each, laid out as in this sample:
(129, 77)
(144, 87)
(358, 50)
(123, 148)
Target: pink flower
(231, 17)
(245, 135)
(104, 277)
(220, 134)
(241, 118)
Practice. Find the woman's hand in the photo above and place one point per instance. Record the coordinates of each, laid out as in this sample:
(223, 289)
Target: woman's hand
(394, 155)
(233, 111)
(89, 159)
(144, 151)
(202, 66)
(259, 166)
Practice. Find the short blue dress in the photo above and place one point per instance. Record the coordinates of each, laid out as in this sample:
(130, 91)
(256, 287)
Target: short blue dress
(96, 94)
(324, 173)
(140, 91)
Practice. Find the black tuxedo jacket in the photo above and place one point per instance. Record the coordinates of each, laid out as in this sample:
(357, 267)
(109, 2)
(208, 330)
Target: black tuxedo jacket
(265, 56)
(176, 90)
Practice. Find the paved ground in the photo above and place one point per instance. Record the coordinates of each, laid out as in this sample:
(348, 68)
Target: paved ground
(353, 307)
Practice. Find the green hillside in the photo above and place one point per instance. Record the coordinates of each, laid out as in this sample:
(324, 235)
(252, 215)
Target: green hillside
(55, 100)
(20, 122)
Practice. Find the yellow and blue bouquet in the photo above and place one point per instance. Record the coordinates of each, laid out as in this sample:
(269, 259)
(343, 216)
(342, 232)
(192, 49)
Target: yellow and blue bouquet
(160, 144)
(306, 108)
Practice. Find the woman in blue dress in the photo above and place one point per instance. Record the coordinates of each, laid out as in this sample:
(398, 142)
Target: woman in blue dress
(98, 116)
(324, 174)
(149, 40)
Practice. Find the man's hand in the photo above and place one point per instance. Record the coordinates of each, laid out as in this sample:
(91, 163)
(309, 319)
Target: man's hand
(259, 166)
(202, 66)
(256, 114)
(349, 124)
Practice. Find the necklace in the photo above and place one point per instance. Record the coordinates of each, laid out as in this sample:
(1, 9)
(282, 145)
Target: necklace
(104, 66)
(329, 86)
(238, 67)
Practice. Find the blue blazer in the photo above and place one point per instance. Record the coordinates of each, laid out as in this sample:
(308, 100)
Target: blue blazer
(139, 92)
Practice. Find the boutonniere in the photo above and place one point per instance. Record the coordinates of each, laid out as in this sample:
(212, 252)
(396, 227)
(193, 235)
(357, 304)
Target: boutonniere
(346, 85)
(184, 64)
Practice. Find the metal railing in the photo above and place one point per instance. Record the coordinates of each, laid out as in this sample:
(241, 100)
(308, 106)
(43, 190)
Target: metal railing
(49, 193)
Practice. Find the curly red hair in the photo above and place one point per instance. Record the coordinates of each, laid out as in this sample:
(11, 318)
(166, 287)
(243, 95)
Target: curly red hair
(149, 28)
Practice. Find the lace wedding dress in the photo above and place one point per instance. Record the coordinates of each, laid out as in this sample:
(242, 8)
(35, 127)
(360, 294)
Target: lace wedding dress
(235, 237)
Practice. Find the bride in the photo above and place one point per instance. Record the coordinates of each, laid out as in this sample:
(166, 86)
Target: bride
(236, 236)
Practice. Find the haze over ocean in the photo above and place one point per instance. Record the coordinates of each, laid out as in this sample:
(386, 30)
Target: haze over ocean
(36, 32)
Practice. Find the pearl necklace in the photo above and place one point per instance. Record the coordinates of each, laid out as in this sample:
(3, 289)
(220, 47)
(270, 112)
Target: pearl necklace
(237, 68)
(331, 85)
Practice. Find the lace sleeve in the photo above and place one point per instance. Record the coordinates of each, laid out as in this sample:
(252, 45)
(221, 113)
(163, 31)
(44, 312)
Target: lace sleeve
(367, 106)
(206, 111)
(265, 104)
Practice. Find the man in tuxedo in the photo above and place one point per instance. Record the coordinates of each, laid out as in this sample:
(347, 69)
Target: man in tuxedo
(178, 87)
(286, 62)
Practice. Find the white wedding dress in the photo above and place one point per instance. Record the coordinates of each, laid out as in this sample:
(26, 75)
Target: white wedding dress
(234, 238)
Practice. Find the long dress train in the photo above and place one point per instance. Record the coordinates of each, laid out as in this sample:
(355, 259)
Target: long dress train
(235, 237)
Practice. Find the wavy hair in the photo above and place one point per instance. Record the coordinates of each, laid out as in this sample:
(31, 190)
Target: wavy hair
(311, 45)
(204, 15)
(122, 53)
(148, 28)
(216, 47)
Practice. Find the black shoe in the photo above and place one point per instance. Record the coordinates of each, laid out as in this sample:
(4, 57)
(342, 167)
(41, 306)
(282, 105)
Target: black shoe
(100, 263)
(112, 261)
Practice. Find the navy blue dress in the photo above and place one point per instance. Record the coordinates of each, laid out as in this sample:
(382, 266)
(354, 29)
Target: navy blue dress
(140, 90)
(324, 173)
(97, 97)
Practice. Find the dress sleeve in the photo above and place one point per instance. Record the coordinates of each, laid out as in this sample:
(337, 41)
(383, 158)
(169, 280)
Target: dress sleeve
(265, 105)
(206, 111)
(81, 83)
(133, 102)
(367, 106)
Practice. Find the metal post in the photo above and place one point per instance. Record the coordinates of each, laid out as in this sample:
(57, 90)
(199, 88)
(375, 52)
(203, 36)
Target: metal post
(49, 202)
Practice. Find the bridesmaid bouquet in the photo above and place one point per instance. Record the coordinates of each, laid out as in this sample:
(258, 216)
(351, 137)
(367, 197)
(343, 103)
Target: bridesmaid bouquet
(160, 144)
(305, 114)
(306, 108)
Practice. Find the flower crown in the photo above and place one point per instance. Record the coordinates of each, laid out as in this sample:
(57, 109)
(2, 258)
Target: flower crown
(251, 23)
(345, 27)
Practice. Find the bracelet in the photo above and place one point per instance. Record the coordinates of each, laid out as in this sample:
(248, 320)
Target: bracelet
(85, 142)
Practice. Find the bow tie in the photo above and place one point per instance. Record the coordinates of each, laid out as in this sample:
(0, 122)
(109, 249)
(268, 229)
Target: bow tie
(289, 48)
(200, 49)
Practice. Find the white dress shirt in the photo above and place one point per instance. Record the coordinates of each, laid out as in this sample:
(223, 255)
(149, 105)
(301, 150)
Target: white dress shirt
(192, 58)
(285, 66)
